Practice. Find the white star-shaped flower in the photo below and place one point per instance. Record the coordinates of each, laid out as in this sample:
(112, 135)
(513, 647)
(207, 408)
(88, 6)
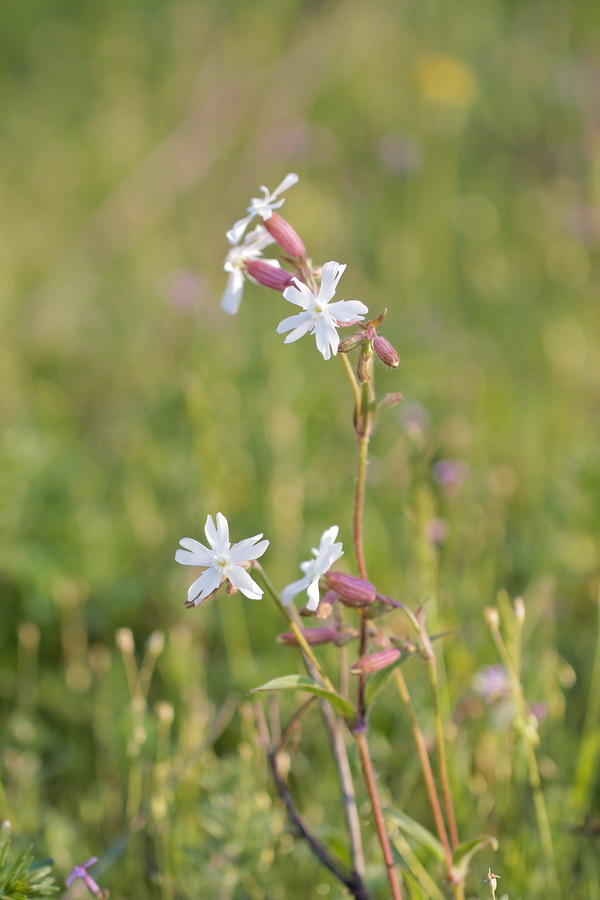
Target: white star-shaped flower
(223, 561)
(325, 555)
(251, 248)
(261, 206)
(320, 317)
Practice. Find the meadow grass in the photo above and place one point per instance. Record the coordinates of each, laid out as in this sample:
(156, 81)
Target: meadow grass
(449, 155)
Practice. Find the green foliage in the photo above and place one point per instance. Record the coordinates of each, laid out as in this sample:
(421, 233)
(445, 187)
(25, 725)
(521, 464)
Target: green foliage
(302, 683)
(22, 877)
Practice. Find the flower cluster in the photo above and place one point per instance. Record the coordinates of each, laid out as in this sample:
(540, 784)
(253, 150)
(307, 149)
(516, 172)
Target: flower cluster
(319, 316)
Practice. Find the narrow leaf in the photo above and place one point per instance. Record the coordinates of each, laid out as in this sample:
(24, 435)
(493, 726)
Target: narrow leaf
(418, 833)
(462, 856)
(302, 683)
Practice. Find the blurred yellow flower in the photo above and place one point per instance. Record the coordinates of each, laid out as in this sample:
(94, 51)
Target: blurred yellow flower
(444, 79)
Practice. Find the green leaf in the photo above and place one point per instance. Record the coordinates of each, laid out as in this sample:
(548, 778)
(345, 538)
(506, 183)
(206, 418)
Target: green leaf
(418, 833)
(302, 683)
(378, 680)
(464, 853)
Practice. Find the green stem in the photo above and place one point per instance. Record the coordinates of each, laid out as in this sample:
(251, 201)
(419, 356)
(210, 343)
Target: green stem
(292, 619)
(441, 746)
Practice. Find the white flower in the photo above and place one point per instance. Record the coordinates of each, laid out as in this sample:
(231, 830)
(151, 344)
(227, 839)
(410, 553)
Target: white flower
(250, 248)
(321, 317)
(325, 556)
(261, 206)
(222, 561)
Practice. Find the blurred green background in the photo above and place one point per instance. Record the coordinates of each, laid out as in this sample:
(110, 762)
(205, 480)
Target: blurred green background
(450, 155)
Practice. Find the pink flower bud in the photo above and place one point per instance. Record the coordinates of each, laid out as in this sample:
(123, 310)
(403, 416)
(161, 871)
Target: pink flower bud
(285, 235)
(267, 275)
(376, 661)
(311, 636)
(351, 590)
(391, 400)
(351, 342)
(386, 352)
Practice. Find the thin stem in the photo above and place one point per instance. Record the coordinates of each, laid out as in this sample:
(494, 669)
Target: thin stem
(589, 752)
(441, 746)
(353, 384)
(426, 769)
(369, 776)
(292, 619)
(335, 866)
(336, 737)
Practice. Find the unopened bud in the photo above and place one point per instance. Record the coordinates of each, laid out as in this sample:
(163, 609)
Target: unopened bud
(325, 607)
(386, 353)
(492, 617)
(124, 640)
(363, 367)
(376, 661)
(268, 275)
(351, 342)
(285, 235)
(311, 636)
(351, 590)
(391, 400)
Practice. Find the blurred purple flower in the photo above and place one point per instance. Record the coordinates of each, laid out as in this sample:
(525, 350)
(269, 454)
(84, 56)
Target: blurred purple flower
(491, 683)
(436, 530)
(80, 872)
(450, 472)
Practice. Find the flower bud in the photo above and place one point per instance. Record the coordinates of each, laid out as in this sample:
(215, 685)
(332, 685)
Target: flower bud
(285, 235)
(386, 353)
(311, 636)
(519, 610)
(351, 590)
(492, 617)
(351, 342)
(267, 275)
(374, 662)
(391, 400)
(363, 367)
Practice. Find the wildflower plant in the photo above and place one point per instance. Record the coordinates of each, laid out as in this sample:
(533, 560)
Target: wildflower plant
(22, 877)
(350, 610)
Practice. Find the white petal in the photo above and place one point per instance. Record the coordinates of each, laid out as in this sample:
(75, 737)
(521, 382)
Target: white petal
(300, 294)
(247, 550)
(347, 310)
(234, 235)
(257, 240)
(289, 181)
(299, 331)
(223, 531)
(329, 536)
(331, 274)
(242, 581)
(194, 554)
(211, 533)
(326, 337)
(289, 592)
(208, 582)
(313, 595)
(294, 321)
(232, 295)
